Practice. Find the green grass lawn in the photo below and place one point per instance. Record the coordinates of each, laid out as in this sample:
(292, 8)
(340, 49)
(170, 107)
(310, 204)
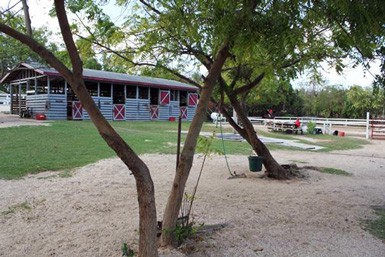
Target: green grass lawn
(330, 143)
(377, 226)
(69, 144)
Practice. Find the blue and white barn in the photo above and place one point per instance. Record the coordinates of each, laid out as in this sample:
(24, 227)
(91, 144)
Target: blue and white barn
(42, 90)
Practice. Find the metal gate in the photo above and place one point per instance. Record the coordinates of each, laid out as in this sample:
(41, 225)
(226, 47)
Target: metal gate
(377, 126)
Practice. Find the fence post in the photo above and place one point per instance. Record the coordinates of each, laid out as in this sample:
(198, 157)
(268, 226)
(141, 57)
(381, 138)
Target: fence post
(367, 125)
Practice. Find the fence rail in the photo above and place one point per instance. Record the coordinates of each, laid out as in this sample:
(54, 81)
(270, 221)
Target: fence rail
(374, 128)
(333, 121)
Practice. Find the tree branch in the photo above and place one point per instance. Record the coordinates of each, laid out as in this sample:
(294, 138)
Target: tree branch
(27, 18)
(150, 7)
(248, 87)
(37, 48)
(77, 64)
(179, 75)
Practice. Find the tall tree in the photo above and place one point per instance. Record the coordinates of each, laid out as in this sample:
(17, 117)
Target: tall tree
(139, 169)
(168, 16)
(145, 187)
(263, 38)
(268, 38)
(361, 100)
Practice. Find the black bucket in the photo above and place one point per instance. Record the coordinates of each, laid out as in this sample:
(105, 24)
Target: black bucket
(255, 163)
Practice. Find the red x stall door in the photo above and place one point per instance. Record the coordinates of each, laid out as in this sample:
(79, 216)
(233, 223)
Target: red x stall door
(119, 112)
(77, 110)
(183, 112)
(164, 97)
(154, 112)
(192, 99)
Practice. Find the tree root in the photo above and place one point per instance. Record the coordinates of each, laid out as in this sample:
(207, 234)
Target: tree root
(292, 171)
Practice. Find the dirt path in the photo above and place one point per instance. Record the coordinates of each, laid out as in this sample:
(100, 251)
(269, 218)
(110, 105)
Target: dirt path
(8, 120)
(94, 211)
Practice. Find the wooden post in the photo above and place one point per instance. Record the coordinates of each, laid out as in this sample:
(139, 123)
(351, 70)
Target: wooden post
(48, 85)
(11, 100)
(178, 143)
(367, 125)
(19, 98)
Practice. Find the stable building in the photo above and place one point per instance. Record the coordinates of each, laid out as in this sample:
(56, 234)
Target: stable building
(37, 90)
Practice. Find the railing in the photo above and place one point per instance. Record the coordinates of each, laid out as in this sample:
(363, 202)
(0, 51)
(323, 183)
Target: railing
(325, 123)
(333, 121)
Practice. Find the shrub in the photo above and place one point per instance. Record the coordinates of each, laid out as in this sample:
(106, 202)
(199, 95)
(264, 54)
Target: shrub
(310, 127)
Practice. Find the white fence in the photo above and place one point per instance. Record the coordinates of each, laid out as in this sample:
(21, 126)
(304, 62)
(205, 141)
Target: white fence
(326, 124)
(5, 99)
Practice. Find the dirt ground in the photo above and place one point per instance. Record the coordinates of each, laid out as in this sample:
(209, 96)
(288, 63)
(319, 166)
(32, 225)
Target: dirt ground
(93, 210)
(8, 120)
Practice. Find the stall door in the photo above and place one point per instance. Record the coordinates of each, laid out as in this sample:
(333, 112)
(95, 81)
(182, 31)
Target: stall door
(119, 100)
(77, 110)
(192, 99)
(164, 97)
(154, 112)
(119, 112)
(183, 112)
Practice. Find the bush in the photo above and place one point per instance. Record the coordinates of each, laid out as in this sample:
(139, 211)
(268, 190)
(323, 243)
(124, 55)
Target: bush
(310, 127)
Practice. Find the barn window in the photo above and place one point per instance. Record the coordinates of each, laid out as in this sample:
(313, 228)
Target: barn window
(131, 92)
(118, 94)
(57, 86)
(174, 95)
(42, 87)
(143, 92)
(183, 98)
(105, 90)
(92, 88)
(154, 96)
(31, 87)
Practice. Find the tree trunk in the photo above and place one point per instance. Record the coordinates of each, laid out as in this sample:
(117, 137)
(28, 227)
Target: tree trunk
(27, 19)
(144, 183)
(273, 168)
(186, 159)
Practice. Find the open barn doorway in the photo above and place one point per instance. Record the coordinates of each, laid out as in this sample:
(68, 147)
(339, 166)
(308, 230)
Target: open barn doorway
(74, 108)
(119, 101)
(154, 103)
(18, 98)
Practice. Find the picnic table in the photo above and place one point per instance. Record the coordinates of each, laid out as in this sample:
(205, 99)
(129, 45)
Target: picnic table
(287, 126)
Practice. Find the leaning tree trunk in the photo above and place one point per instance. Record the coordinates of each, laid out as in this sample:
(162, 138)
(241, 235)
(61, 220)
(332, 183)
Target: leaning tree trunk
(27, 18)
(144, 183)
(186, 159)
(273, 168)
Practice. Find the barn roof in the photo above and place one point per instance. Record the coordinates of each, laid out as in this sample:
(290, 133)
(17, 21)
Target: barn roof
(104, 77)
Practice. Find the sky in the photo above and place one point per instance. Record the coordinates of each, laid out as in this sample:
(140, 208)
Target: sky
(39, 16)
(357, 76)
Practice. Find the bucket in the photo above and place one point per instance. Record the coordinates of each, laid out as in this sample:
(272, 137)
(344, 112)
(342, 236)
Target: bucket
(255, 163)
(341, 133)
(40, 116)
(171, 119)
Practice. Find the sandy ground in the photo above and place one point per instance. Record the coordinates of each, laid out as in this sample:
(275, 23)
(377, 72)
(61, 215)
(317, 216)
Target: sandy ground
(7, 120)
(94, 211)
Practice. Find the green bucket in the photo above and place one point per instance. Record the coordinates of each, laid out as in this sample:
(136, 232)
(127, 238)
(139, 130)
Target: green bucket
(255, 163)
